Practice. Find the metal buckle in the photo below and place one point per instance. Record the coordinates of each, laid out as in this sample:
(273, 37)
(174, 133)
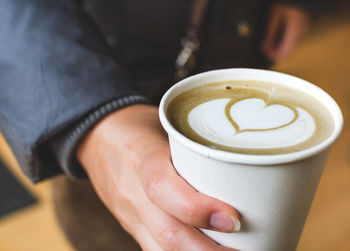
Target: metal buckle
(185, 61)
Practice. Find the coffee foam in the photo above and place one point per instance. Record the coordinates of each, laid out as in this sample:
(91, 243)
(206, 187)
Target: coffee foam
(250, 117)
(258, 127)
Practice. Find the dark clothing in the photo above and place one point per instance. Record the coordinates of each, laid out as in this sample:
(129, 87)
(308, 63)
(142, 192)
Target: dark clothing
(63, 62)
(86, 222)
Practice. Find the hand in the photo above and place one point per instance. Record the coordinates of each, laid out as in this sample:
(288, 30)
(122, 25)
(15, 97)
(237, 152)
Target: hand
(286, 27)
(128, 161)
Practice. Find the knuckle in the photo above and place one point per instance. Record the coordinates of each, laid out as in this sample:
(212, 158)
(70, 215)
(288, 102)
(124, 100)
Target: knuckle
(122, 194)
(170, 237)
(190, 210)
(153, 184)
(120, 190)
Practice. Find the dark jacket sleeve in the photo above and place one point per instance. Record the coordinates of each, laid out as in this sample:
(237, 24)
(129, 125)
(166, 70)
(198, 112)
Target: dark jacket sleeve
(65, 143)
(55, 68)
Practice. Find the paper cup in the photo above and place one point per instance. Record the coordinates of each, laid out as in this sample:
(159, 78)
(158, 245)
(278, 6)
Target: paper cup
(273, 193)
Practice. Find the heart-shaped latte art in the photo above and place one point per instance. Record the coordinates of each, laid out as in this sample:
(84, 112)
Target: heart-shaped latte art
(251, 123)
(254, 115)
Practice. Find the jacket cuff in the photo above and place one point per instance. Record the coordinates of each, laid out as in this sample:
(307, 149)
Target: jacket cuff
(64, 144)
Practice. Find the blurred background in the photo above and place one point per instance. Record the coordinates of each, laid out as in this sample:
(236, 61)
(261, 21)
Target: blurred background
(27, 219)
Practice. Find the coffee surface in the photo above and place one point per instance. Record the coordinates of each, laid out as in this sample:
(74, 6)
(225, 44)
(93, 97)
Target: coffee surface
(250, 117)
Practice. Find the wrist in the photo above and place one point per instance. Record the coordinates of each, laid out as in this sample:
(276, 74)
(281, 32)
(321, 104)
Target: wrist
(64, 145)
(120, 133)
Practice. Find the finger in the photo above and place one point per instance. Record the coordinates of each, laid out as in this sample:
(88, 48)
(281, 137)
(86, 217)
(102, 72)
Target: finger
(146, 241)
(294, 29)
(172, 234)
(296, 24)
(272, 33)
(166, 189)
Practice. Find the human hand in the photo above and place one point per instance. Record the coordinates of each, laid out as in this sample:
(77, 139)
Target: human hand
(127, 159)
(286, 27)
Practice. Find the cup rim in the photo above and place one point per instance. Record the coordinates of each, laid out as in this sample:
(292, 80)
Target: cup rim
(232, 157)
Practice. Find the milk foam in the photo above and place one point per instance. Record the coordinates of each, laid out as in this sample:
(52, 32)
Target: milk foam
(250, 117)
(255, 124)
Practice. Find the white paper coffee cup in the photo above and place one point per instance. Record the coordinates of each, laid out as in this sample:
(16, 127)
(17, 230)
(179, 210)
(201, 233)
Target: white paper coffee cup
(273, 193)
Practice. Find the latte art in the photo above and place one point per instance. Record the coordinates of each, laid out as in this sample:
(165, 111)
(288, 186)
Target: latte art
(251, 124)
(250, 117)
(254, 115)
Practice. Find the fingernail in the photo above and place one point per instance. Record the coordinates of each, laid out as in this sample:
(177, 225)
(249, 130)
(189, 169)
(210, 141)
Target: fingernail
(224, 222)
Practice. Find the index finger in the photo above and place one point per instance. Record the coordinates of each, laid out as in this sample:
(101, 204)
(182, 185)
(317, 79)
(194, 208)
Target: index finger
(170, 192)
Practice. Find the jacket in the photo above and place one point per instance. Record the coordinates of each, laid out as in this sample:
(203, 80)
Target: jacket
(66, 64)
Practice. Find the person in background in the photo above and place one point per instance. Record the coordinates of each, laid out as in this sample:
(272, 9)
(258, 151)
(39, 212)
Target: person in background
(80, 81)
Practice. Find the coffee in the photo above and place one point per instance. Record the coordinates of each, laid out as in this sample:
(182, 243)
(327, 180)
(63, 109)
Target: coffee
(250, 117)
